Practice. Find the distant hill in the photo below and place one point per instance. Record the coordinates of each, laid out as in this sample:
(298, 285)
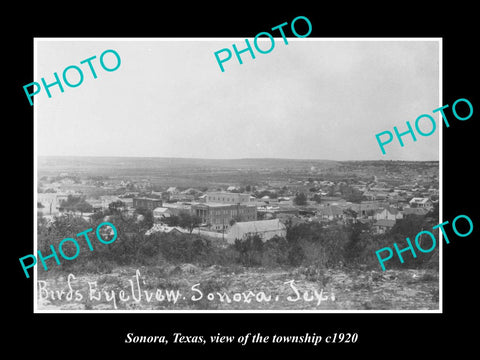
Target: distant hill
(184, 172)
(126, 164)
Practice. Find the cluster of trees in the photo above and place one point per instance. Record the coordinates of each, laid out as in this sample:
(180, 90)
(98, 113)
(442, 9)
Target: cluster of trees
(350, 194)
(75, 203)
(350, 245)
(300, 199)
(184, 220)
(52, 179)
(116, 206)
(347, 192)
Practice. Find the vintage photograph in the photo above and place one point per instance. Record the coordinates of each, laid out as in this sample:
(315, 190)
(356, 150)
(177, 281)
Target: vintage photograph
(164, 184)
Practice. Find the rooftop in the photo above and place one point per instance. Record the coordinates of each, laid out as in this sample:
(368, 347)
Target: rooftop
(258, 226)
(387, 223)
(419, 200)
(147, 198)
(226, 205)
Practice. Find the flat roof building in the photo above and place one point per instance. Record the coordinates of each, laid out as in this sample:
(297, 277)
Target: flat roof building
(229, 198)
(218, 216)
(146, 203)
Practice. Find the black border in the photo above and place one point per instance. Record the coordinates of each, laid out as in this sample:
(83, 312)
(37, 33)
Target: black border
(382, 334)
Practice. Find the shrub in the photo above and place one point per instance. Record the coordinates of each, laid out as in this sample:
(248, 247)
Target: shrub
(250, 250)
(295, 254)
(275, 252)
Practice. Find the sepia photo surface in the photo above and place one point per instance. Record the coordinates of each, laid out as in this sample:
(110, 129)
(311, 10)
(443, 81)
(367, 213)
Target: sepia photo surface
(261, 188)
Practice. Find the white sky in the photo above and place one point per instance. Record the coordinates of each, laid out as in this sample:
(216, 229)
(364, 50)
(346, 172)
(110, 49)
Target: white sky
(309, 99)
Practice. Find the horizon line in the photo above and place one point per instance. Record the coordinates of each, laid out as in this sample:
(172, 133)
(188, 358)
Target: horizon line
(220, 159)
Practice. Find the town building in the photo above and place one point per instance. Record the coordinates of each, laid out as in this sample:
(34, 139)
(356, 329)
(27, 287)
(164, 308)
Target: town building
(176, 230)
(219, 215)
(417, 202)
(367, 209)
(383, 226)
(181, 197)
(160, 213)
(146, 203)
(265, 229)
(389, 213)
(275, 210)
(415, 211)
(178, 207)
(229, 198)
(332, 212)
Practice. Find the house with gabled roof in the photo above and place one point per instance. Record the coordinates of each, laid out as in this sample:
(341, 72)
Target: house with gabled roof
(417, 202)
(382, 226)
(161, 213)
(265, 229)
(166, 229)
(332, 212)
(415, 211)
(388, 213)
